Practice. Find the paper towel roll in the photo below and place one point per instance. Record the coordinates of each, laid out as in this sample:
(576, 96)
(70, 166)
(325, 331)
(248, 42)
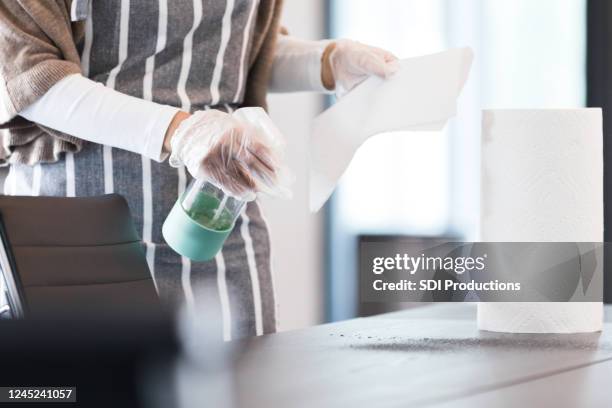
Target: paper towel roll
(542, 180)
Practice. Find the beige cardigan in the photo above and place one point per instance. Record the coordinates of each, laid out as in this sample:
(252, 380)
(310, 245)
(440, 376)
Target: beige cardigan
(38, 48)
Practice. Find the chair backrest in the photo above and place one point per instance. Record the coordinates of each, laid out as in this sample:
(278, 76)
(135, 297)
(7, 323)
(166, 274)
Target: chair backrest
(74, 255)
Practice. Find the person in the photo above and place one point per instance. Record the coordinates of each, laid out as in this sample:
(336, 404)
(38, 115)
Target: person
(96, 95)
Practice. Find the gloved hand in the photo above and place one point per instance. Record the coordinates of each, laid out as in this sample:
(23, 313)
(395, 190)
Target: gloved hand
(234, 155)
(352, 62)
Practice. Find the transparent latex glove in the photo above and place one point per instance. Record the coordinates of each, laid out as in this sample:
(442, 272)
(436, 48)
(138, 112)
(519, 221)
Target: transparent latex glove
(352, 63)
(234, 155)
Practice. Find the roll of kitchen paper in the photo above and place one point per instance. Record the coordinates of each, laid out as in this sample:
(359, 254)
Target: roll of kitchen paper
(542, 181)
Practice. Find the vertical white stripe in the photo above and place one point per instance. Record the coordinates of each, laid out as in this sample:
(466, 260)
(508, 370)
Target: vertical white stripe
(222, 284)
(73, 8)
(162, 28)
(13, 182)
(85, 56)
(186, 282)
(85, 60)
(182, 180)
(147, 80)
(185, 262)
(187, 51)
(186, 105)
(270, 255)
(248, 247)
(223, 295)
(226, 30)
(252, 264)
(123, 42)
(70, 175)
(110, 82)
(36, 176)
(147, 183)
(245, 44)
(107, 157)
(147, 215)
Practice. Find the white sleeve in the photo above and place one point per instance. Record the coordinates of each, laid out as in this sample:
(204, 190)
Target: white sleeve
(88, 110)
(297, 65)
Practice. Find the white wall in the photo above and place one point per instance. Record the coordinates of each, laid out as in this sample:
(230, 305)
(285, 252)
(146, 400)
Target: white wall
(297, 235)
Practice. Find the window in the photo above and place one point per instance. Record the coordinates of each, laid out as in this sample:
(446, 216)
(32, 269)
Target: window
(529, 54)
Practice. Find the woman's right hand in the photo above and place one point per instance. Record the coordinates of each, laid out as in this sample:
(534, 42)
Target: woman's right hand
(214, 145)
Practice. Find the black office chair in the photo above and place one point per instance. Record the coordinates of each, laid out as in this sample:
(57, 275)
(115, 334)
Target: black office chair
(71, 255)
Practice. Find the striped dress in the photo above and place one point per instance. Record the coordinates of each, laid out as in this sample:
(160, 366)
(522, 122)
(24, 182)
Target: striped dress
(190, 54)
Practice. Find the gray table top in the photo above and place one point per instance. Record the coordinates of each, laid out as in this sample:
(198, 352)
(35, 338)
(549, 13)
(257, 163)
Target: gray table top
(428, 356)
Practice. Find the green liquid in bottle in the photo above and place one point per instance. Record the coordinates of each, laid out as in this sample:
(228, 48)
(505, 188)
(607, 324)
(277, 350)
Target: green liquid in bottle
(203, 211)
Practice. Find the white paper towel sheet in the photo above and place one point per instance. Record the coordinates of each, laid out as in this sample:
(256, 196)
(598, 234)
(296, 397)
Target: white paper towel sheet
(542, 180)
(422, 95)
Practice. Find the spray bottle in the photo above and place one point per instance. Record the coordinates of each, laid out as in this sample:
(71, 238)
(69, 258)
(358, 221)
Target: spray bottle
(204, 215)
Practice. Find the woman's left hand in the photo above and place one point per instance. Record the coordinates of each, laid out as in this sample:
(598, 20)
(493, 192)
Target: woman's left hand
(347, 63)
